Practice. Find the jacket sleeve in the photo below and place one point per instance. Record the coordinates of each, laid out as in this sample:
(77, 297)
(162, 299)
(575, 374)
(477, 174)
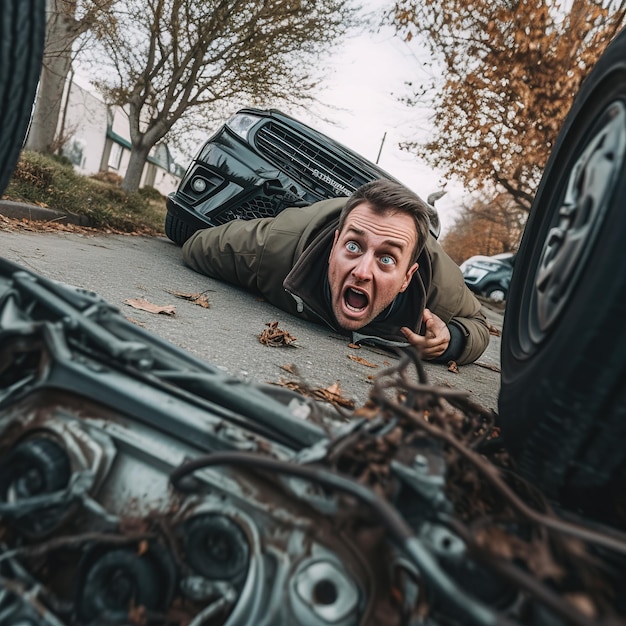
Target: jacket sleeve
(450, 299)
(230, 252)
(258, 254)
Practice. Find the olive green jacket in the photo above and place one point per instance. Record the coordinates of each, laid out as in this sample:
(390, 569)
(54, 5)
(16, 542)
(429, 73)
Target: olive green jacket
(284, 258)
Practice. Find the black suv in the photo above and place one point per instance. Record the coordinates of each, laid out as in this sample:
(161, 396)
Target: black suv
(258, 163)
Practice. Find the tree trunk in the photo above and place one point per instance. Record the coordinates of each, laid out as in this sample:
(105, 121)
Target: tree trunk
(43, 128)
(57, 61)
(138, 157)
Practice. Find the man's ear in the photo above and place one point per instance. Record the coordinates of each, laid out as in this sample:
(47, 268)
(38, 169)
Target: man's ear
(334, 243)
(409, 274)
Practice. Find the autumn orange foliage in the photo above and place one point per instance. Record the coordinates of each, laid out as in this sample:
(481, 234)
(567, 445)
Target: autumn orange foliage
(504, 75)
(485, 227)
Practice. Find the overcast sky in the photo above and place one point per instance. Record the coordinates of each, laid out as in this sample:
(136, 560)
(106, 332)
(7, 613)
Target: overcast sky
(360, 102)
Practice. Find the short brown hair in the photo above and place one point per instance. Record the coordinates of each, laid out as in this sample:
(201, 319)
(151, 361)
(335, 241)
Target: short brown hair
(386, 196)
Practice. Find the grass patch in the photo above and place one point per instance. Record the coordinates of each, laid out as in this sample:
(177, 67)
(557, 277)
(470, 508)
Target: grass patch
(47, 181)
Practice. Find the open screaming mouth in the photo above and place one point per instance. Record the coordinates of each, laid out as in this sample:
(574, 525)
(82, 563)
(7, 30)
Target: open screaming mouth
(355, 300)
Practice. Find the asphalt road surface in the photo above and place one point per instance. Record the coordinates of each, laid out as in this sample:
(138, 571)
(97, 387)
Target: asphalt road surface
(122, 267)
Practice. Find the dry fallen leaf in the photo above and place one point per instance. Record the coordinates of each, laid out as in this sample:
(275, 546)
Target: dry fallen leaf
(354, 346)
(453, 367)
(275, 337)
(138, 615)
(143, 305)
(200, 299)
(331, 394)
(334, 388)
(542, 561)
(369, 410)
(582, 602)
(362, 361)
(142, 548)
(292, 368)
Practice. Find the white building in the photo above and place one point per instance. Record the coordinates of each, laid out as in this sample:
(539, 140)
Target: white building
(97, 139)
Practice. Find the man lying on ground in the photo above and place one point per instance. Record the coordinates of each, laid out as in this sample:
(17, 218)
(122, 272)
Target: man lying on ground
(366, 264)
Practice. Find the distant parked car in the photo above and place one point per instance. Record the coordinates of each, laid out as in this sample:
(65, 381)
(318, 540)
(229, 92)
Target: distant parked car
(489, 276)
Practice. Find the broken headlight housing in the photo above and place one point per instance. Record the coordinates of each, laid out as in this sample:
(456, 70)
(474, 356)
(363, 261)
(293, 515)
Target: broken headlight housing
(139, 485)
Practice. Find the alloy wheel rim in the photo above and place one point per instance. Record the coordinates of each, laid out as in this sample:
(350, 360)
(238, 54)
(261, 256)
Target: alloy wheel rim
(574, 229)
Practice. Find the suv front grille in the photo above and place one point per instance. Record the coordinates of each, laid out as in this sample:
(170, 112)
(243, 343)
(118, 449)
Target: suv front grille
(261, 206)
(308, 162)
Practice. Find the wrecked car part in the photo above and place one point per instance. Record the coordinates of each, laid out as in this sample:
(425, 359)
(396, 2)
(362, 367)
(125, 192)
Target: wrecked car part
(139, 485)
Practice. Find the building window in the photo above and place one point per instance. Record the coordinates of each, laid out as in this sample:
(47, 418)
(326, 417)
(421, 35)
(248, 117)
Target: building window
(75, 152)
(115, 156)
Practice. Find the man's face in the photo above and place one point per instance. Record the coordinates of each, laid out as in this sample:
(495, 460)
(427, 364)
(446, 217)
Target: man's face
(369, 264)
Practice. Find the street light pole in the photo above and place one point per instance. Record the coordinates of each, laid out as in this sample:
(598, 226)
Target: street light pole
(381, 147)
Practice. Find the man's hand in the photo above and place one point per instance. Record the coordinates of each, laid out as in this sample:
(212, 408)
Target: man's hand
(435, 340)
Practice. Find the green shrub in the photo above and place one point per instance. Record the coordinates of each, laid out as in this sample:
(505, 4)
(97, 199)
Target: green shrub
(151, 193)
(42, 180)
(108, 177)
(61, 159)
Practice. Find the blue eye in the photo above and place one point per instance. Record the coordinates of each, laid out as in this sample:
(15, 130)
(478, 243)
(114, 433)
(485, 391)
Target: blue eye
(387, 260)
(351, 246)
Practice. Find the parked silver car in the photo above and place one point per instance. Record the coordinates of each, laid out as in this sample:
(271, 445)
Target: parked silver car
(489, 276)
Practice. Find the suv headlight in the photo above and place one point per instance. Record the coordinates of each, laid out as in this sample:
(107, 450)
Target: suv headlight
(241, 123)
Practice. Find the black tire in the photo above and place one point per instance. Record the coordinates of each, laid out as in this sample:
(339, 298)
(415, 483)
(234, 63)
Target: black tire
(562, 403)
(22, 30)
(177, 230)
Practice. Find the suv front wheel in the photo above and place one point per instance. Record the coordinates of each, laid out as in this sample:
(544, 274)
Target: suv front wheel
(177, 230)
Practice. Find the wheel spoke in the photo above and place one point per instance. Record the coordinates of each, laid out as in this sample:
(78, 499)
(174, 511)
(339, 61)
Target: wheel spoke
(588, 191)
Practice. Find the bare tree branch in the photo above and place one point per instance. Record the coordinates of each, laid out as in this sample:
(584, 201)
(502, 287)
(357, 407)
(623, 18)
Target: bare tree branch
(173, 56)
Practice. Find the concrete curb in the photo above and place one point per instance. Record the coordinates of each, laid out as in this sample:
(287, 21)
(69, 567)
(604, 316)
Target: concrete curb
(21, 210)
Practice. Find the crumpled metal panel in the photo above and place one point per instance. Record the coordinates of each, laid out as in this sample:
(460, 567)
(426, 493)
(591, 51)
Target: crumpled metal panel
(140, 485)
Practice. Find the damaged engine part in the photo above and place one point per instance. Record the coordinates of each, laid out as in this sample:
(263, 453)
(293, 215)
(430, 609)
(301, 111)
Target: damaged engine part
(139, 485)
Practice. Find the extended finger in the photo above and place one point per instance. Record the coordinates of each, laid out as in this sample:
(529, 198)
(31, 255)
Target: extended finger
(418, 341)
(432, 352)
